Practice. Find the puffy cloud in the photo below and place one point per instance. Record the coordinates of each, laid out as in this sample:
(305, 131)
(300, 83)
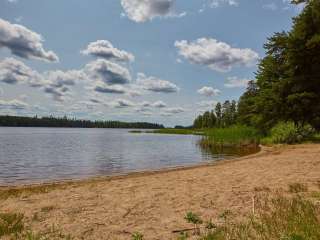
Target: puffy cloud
(159, 104)
(23, 42)
(175, 110)
(144, 10)
(108, 72)
(122, 103)
(234, 82)
(58, 83)
(156, 85)
(13, 71)
(13, 104)
(216, 55)
(209, 91)
(104, 88)
(64, 78)
(104, 49)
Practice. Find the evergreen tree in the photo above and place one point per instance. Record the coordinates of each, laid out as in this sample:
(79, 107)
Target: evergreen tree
(218, 111)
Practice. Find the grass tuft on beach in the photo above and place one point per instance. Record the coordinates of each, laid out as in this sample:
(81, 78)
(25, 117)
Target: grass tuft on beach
(277, 218)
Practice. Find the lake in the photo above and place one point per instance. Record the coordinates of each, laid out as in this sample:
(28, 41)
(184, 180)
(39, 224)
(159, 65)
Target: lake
(33, 155)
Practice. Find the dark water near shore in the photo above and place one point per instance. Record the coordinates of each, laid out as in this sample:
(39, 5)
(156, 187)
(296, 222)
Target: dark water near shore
(33, 155)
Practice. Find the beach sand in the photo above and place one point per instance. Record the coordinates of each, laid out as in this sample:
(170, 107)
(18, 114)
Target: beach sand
(155, 203)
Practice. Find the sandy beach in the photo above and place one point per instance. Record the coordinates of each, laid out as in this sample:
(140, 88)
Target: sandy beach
(155, 203)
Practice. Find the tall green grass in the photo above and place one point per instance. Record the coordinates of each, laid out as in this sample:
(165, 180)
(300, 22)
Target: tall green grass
(230, 135)
(236, 134)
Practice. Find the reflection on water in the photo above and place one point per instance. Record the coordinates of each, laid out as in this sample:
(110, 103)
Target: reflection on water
(225, 151)
(29, 155)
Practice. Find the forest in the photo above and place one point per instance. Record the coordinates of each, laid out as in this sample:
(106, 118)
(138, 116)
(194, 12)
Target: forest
(286, 88)
(16, 121)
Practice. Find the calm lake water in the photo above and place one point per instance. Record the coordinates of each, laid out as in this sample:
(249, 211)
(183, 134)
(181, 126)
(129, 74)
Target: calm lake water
(32, 155)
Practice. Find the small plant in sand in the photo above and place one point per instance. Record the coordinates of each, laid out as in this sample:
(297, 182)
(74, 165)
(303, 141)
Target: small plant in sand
(183, 236)
(137, 236)
(11, 224)
(195, 219)
(298, 188)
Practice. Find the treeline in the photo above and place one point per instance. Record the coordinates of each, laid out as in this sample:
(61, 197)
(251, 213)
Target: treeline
(17, 121)
(287, 84)
(224, 115)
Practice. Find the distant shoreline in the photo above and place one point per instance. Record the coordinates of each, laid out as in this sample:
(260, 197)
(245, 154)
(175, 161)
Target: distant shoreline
(65, 122)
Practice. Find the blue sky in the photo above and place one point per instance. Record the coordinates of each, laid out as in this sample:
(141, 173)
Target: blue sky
(134, 60)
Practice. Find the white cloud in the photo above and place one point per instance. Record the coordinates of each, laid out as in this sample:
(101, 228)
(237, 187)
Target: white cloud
(14, 104)
(174, 110)
(13, 71)
(58, 83)
(216, 55)
(23, 42)
(144, 10)
(159, 104)
(217, 3)
(235, 82)
(104, 49)
(108, 72)
(209, 91)
(104, 88)
(155, 84)
(122, 103)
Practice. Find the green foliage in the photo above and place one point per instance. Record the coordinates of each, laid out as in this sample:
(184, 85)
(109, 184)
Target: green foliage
(289, 133)
(137, 236)
(11, 224)
(193, 218)
(236, 134)
(279, 218)
(298, 188)
(224, 115)
(183, 236)
(287, 86)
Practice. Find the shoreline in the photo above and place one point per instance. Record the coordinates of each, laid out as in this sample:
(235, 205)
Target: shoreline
(155, 203)
(133, 174)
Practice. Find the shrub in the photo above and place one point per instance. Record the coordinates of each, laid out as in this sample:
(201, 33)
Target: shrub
(289, 133)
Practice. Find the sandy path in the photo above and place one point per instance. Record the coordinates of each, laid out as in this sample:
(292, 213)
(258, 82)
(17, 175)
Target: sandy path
(155, 204)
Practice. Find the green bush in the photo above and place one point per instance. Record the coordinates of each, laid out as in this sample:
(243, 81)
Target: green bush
(289, 133)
